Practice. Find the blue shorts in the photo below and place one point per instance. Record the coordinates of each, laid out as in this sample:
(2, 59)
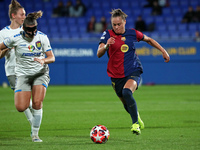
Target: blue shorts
(118, 83)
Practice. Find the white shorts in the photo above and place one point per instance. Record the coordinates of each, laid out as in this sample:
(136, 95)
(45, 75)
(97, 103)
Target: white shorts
(25, 83)
(12, 80)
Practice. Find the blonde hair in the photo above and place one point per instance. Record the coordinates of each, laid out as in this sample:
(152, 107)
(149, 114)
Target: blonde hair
(13, 8)
(35, 15)
(31, 18)
(118, 13)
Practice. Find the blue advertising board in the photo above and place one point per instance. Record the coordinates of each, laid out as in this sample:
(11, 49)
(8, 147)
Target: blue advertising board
(77, 64)
(183, 67)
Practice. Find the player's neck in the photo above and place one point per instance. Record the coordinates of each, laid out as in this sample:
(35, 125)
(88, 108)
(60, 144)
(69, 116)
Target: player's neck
(26, 37)
(14, 25)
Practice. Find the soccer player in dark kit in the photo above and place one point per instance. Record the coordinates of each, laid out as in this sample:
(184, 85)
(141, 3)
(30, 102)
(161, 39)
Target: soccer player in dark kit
(124, 66)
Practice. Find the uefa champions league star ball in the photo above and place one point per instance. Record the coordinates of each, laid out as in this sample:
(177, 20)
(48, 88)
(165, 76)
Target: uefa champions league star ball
(99, 134)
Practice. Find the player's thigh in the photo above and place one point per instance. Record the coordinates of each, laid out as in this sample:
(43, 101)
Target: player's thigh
(22, 99)
(133, 80)
(22, 92)
(118, 84)
(39, 87)
(38, 93)
(131, 84)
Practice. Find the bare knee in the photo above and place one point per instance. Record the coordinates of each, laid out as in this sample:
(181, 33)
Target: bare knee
(22, 100)
(37, 105)
(20, 108)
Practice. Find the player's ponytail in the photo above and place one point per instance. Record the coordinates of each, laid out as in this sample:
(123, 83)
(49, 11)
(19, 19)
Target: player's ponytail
(35, 15)
(13, 8)
(31, 18)
(118, 13)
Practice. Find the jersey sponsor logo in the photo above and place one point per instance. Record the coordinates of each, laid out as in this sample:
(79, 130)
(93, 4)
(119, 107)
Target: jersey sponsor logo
(123, 38)
(31, 48)
(124, 48)
(38, 45)
(31, 54)
(22, 45)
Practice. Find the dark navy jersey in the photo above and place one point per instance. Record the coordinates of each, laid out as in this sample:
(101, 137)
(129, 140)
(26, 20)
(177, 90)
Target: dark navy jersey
(123, 59)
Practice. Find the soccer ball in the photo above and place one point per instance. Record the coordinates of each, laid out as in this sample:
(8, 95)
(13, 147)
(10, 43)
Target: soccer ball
(99, 134)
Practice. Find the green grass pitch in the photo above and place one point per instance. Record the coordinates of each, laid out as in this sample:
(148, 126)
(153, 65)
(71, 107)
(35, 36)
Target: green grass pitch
(171, 114)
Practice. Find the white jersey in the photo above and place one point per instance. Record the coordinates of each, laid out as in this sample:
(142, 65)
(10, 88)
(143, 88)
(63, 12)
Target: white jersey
(10, 61)
(26, 51)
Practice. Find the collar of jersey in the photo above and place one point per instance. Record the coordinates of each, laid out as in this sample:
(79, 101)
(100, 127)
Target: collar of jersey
(119, 34)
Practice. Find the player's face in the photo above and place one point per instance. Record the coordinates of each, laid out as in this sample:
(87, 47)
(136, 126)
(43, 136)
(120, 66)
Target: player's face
(30, 30)
(118, 25)
(20, 16)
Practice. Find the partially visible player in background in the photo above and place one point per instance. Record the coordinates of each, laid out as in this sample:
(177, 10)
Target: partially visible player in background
(17, 16)
(124, 66)
(32, 69)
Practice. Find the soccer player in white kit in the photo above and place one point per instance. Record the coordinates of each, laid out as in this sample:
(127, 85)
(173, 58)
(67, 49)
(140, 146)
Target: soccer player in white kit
(17, 16)
(32, 69)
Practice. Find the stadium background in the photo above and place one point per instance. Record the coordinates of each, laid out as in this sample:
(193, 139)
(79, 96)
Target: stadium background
(75, 49)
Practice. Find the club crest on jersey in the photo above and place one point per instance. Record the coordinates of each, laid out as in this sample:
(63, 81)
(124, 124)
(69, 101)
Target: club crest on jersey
(123, 38)
(124, 48)
(31, 48)
(38, 45)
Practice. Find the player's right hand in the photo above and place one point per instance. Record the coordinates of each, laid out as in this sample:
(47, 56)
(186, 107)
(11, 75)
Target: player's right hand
(111, 40)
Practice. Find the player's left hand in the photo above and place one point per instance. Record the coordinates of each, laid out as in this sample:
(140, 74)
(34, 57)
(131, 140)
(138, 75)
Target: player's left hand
(41, 61)
(166, 57)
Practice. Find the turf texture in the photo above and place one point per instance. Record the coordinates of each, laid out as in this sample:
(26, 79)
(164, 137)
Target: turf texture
(171, 114)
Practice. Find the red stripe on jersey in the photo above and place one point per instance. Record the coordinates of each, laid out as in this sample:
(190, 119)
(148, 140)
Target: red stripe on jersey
(115, 67)
(139, 35)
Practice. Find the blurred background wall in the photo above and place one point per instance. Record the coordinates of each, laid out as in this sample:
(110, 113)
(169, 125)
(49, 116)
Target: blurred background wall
(75, 47)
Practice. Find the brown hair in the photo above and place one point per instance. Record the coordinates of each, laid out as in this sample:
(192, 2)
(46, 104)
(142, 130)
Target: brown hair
(13, 8)
(118, 13)
(31, 18)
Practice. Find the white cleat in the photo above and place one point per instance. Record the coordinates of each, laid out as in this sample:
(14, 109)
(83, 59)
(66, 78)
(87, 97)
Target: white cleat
(35, 138)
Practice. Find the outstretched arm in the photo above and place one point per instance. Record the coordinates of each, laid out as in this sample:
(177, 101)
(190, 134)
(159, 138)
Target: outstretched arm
(155, 44)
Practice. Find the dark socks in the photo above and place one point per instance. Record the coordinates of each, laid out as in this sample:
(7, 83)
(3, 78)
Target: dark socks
(131, 106)
(126, 108)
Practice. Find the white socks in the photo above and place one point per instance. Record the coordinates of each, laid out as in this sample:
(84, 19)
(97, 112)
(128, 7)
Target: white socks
(34, 117)
(36, 121)
(28, 113)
